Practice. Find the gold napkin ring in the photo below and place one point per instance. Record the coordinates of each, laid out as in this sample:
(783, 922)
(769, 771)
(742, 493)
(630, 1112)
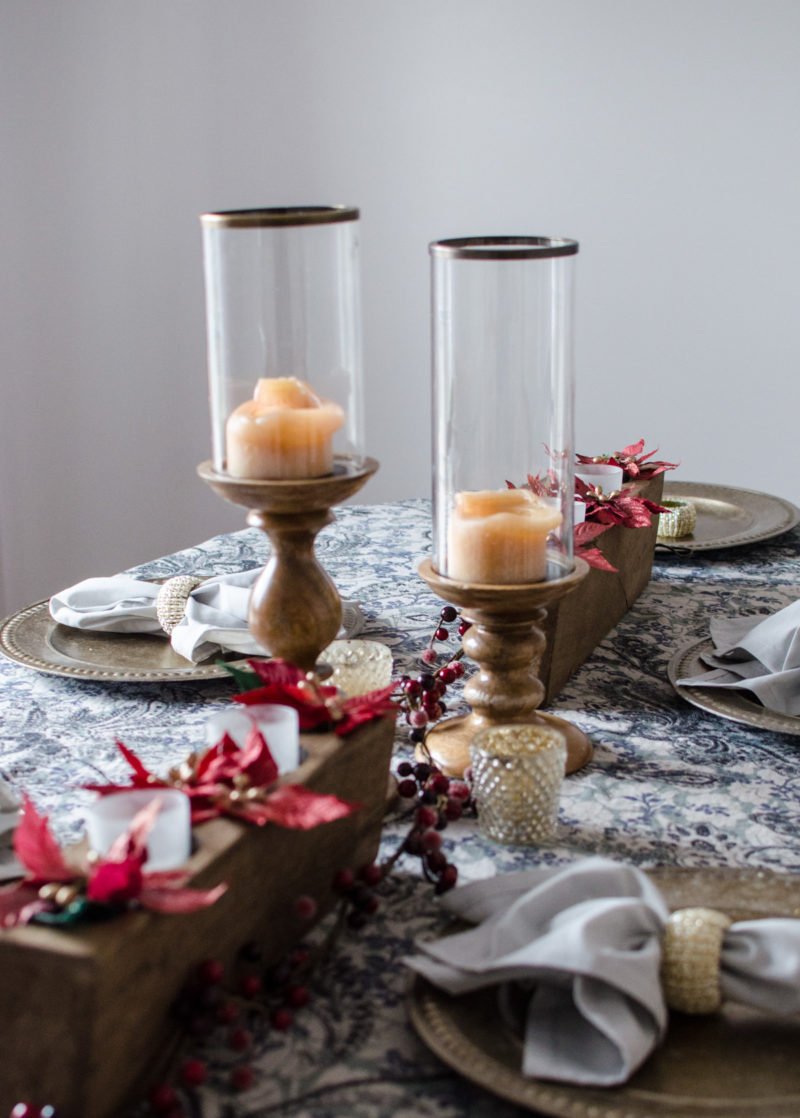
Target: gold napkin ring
(690, 964)
(679, 519)
(172, 598)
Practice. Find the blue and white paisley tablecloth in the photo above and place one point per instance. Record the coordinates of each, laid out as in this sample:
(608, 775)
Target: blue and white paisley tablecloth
(668, 784)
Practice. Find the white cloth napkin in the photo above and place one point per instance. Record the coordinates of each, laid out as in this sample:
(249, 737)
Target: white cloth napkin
(763, 658)
(215, 616)
(583, 945)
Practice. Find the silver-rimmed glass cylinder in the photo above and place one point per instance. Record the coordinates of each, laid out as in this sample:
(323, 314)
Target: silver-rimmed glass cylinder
(283, 313)
(503, 388)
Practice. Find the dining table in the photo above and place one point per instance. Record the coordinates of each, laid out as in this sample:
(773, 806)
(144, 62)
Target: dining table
(670, 786)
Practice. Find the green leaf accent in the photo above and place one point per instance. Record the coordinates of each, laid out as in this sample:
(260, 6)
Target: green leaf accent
(244, 678)
(80, 911)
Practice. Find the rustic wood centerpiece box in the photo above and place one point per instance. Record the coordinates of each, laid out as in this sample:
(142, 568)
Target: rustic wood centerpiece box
(84, 1012)
(578, 622)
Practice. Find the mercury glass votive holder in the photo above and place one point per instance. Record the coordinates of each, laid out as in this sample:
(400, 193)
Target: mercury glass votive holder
(517, 773)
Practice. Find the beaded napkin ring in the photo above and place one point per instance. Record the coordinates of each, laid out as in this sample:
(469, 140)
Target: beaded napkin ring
(679, 519)
(690, 966)
(172, 598)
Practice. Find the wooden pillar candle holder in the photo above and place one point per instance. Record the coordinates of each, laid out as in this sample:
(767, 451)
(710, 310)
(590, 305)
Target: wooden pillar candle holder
(505, 638)
(295, 608)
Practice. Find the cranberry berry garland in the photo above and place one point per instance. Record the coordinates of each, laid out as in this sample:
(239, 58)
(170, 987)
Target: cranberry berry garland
(422, 698)
(257, 1001)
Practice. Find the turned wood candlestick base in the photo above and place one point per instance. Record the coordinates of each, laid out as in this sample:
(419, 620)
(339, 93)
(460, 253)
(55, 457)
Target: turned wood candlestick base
(506, 641)
(295, 608)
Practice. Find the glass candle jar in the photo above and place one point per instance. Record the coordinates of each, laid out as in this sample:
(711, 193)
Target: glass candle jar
(517, 773)
(169, 842)
(278, 724)
(283, 316)
(502, 408)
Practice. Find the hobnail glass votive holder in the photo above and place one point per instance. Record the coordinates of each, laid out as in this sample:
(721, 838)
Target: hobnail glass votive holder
(516, 773)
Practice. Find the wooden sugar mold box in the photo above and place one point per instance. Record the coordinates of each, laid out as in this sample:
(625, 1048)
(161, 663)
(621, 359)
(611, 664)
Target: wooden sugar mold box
(84, 1013)
(576, 625)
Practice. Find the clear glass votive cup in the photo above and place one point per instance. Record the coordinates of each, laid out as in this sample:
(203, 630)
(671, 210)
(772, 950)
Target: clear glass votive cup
(169, 842)
(279, 725)
(517, 773)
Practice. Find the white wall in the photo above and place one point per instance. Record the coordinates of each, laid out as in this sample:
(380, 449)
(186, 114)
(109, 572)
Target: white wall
(663, 134)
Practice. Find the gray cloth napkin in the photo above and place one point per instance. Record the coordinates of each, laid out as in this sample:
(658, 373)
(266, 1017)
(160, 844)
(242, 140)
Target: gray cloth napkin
(215, 617)
(9, 817)
(582, 946)
(763, 658)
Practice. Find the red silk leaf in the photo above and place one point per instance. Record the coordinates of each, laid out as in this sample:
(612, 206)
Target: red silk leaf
(115, 882)
(300, 809)
(17, 904)
(142, 777)
(588, 530)
(257, 762)
(277, 672)
(165, 879)
(595, 558)
(363, 708)
(178, 901)
(214, 759)
(37, 849)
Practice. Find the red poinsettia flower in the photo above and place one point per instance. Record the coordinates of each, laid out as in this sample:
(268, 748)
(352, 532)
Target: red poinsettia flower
(616, 508)
(117, 880)
(546, 486)
(319, 706)
(632, 460)
(240, 783)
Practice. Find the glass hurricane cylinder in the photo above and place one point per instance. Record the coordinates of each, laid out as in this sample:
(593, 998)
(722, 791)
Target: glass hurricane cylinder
(503, 408)
(284, 356)
(283, 316)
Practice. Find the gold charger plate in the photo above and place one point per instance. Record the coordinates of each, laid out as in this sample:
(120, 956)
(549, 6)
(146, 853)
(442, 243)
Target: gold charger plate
(735, 1064)
(728, 517)
(727, 702)
(32, 638)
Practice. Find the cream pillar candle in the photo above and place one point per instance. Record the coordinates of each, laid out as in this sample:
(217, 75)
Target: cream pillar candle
(499, 536)
(285, 431)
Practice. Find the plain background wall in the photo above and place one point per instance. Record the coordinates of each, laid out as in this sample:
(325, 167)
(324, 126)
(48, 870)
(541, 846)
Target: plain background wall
(663, 134)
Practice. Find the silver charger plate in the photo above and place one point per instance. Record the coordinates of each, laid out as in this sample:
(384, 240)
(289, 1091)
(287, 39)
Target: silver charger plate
(734, 1064)
(727, 702)
(32, 638)
(728, 517)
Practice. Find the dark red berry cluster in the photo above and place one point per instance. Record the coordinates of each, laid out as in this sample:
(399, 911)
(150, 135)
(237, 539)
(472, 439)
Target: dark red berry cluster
(205, 1008)
(441, 633)
(422, 697)
(439, 800)
(357, 891)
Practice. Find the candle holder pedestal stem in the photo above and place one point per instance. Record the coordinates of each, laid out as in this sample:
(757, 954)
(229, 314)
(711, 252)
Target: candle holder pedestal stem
(295, 609)
(506, 641)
